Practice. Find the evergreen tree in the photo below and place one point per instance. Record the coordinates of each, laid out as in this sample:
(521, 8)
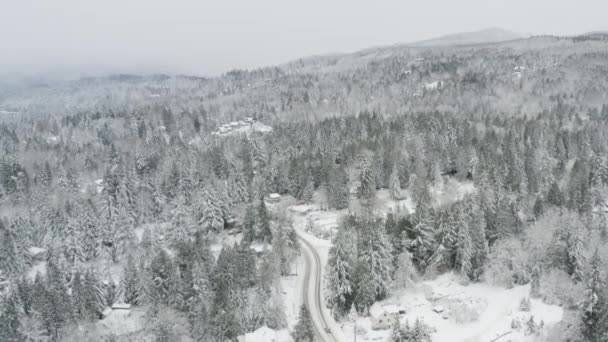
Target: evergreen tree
(9, 320)
(164, 289)
(555, 196)
(309, 190)
(535, 282)
(365, 294)
(90, 233)
(338, 191)
(405, 272)
(340, 274)
(262, 223)
(464, 251)
(395, 184)
(11, 261)
(422, 243)
(181, 228)
(303, 331)
(595, 304)
(211, 218)
(130, 281)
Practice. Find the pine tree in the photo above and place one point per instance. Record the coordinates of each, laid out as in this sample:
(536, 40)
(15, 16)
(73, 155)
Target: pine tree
(10, 258)
(338, 191)
(340, 274)
(130, 281)
(535, 282)
(164, 279)
(375, 250)
(9, 320)
(309, 190)
(595, 303)
(57, 306)
(211, 219)
(555, 196)
(464, 251)
(181, 228)
(395, 184)
(422, 243)
(74, 242)
(396, 331)
(575, 250)
(94, 301)
(405, 272)
(90, 233)
(365, 294)
(303, 331)
(476, 223)
(262, 223)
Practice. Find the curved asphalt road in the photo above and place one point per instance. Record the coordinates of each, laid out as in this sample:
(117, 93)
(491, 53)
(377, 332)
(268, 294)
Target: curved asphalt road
(311, 291)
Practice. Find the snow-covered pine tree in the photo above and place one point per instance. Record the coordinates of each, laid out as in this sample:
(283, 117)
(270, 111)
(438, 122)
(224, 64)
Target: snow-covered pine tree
(182, 227)
(90, 232)
(464, 251)
(211, 215)
(11, 261)
(422, 245)
(375, 250)
(595, 303)
(339, 276)
(535, 282)
(395, 184)
(129, 282)
(93, 295)
(406, 274)
(309, 190)
(303, 331)
(262, 223)
(365, 294)
(73, 243)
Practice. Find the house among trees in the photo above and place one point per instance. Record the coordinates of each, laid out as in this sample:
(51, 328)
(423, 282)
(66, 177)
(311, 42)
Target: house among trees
(37, 253)
(383, 316)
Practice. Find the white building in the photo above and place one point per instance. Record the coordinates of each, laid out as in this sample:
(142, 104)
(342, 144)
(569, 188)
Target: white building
(383, 316)
(273, 198)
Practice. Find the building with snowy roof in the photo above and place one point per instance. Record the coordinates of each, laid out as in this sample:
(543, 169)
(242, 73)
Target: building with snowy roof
(383, 316)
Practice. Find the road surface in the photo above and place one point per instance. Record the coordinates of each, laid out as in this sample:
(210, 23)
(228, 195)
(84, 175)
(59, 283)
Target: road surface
(311, 291)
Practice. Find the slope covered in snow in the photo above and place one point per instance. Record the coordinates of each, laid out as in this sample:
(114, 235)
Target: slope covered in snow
(489, 35)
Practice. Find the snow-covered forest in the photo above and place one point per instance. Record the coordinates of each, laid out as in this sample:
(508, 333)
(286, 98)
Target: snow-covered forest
(164, 208)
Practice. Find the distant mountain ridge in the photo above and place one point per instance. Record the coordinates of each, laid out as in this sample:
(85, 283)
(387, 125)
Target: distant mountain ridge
(485, 36)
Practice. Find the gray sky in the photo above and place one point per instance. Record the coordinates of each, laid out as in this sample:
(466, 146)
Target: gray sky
(209, 37)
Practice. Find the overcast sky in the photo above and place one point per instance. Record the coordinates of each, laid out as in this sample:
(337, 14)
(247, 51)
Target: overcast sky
(208, 37)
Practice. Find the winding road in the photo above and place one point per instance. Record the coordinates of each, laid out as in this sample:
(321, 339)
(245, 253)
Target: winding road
(311, 291)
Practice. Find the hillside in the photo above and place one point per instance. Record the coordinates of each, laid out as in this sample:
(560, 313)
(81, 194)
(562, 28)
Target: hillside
(485, 36)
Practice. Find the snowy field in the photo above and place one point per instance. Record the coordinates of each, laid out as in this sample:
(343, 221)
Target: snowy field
(463, 313)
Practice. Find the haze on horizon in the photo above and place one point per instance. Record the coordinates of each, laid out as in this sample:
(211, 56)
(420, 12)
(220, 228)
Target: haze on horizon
(211, 37)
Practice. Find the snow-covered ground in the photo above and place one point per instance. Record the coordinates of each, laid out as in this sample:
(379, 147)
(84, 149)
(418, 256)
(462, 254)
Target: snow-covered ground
(122, 322)
(462, 313)
(450, 191)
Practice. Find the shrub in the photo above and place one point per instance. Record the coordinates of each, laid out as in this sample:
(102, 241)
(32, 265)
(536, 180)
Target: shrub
(524, 304)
